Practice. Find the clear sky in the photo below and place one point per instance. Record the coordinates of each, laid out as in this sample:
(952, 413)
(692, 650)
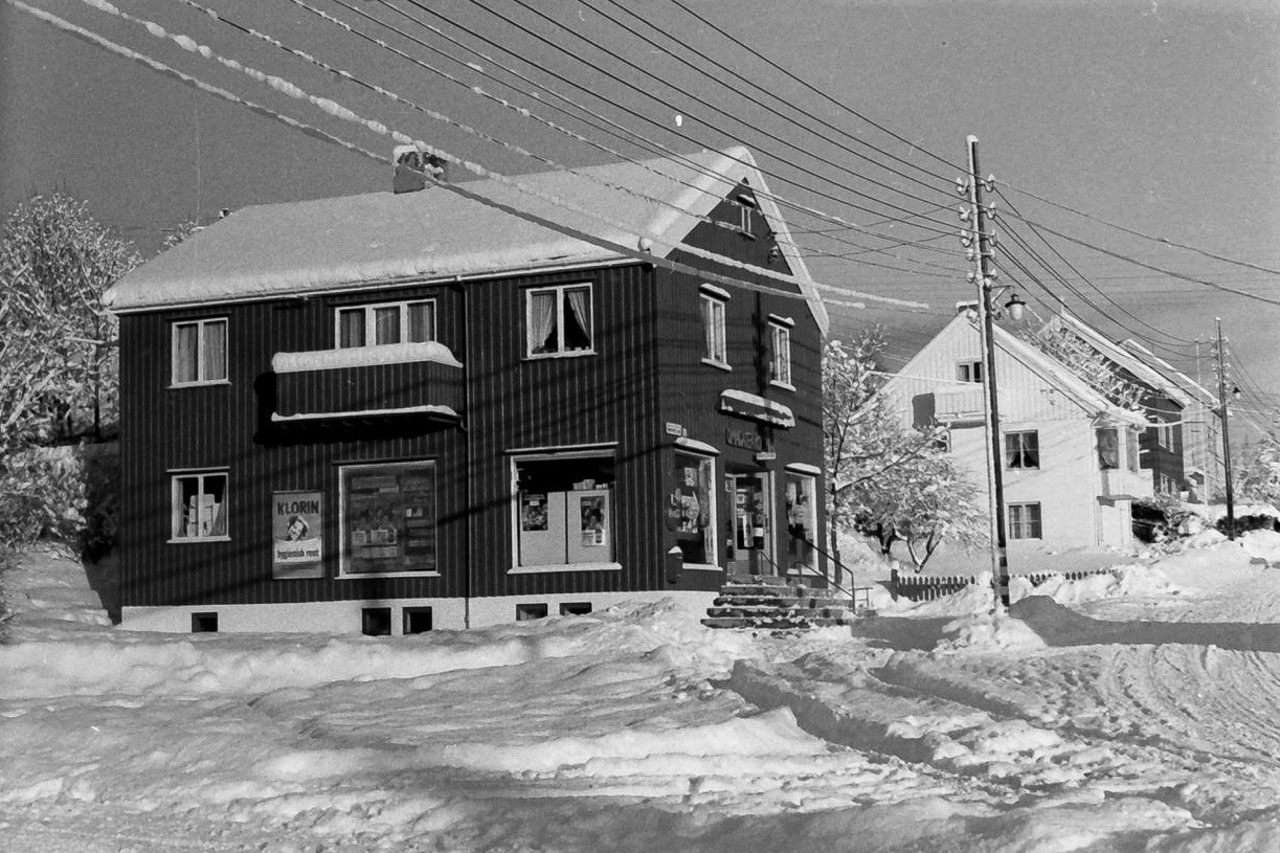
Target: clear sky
(1161, 117)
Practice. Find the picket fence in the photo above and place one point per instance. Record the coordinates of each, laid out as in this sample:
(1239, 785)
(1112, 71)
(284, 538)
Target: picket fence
(931, 587)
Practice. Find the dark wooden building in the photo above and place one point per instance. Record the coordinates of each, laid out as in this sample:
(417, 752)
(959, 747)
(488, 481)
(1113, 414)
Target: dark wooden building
(462, 406)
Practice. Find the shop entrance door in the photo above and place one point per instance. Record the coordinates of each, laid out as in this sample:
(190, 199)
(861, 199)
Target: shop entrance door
(751, 526)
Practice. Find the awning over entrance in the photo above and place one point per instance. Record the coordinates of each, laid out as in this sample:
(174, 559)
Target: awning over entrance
(755, 407)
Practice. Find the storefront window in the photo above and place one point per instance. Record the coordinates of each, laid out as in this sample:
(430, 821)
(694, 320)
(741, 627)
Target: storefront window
(388, 518)
(564, 510)
(690, 508)
(802, 520)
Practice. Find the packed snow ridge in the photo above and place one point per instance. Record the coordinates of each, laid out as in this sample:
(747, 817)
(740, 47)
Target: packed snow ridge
(1130, 710)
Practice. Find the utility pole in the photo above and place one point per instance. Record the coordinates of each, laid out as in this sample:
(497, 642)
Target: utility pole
(983, 275)
(1226, 433)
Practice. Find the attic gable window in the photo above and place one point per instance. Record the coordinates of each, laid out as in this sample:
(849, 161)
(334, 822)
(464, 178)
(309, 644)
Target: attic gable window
(746, 206)
(199, 352)
(969, 371)
(558, 321)
(385, 323)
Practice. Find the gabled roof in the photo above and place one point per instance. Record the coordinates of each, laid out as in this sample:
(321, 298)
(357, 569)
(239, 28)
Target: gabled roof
(436, 233)
(1122, 357)
(1045, 366)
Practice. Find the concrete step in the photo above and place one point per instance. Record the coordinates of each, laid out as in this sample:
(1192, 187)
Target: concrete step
(774, 623)
(773, 612)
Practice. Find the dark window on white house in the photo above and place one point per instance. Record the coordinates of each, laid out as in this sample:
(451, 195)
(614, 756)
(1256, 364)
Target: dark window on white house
(969, 371)
(1024, 521)
(1022, 449)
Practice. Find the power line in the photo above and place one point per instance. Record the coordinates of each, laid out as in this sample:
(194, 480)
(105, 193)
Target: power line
(607, 73)
(652, 146)
(1164, 240)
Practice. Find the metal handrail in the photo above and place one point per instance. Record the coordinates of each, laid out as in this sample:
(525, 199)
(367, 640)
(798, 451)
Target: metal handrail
(852, 592)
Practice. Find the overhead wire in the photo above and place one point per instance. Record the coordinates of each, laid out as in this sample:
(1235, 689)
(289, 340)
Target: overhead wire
(648, 119)
(1134, 232)
(336, 110)
(625, 135)
(707, 57)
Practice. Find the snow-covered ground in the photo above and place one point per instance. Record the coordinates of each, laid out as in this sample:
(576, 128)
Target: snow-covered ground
(1131, 711)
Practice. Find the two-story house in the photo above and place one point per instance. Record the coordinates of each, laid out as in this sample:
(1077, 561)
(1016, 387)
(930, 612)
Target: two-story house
(470, 404)
(1070, 456)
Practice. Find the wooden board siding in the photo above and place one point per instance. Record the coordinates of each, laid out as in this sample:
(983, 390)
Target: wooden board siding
(608, 398)
(690, 389)
(645, 371)
(225, 426)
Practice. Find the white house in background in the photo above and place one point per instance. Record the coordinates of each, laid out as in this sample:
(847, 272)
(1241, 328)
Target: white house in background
(1071, 463)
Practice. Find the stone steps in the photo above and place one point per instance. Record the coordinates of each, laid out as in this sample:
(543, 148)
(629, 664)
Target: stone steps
(765, 602)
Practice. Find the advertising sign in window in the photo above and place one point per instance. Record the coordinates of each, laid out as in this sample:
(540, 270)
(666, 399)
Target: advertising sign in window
(389, 518)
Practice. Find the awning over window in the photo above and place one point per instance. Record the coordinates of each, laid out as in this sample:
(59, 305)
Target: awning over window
(756, 408)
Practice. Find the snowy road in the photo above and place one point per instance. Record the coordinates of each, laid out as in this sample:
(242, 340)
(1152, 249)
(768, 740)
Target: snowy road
(1130, 712)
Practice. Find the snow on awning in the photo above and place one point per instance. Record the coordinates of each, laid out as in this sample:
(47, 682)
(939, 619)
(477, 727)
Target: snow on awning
(305, 417)
(331, 359)
(755, 407)
(696, 446)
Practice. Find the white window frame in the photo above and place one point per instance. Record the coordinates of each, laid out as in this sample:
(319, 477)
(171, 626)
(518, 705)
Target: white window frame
(712, 536)
(1164, 435)
(966, 371)
(201, 325)
(560, 290)
(177, 509)
(595, 452)
(1023, 526)
(713, 312)
(746, 205)
(344, 551)
(370, 320)
(780, 351)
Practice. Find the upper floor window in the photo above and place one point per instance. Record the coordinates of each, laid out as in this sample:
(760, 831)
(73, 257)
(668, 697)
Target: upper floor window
(969, 371)
(558, 320)
(746, 206)
(386, 323)
(1164, 436)
(714, 301)
(1117, 449)
(780, 351)
(1022, 449)
(199, 352)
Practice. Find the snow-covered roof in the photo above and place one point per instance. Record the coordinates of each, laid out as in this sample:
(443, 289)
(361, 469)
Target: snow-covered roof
(1122, 357)
(438, 233)
(1044, 365)
(1192, 388)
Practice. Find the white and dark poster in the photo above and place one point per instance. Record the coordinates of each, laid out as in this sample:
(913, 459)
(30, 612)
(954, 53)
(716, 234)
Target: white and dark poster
(296, 535)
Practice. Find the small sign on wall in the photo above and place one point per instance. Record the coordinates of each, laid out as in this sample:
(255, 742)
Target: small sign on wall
(296, 535)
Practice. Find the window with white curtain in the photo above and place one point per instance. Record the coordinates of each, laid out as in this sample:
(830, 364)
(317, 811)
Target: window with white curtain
(199, 352)
(558, 320)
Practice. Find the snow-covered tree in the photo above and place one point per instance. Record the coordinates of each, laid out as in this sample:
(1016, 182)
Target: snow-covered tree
(884, 479)
(1258, 478)
(56, 341)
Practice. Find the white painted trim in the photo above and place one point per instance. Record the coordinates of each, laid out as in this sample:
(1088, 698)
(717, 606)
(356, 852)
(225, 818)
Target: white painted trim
(370, 324)
(803, 468)
(567, 450)
(565, 567)
(712, 290)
